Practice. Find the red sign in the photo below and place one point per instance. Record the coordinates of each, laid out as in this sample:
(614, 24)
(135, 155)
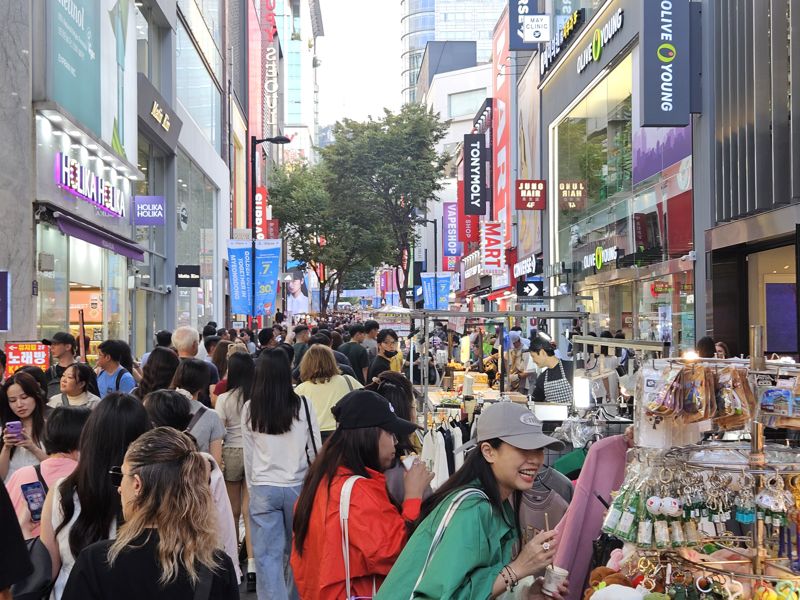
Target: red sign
(23, 354)
(501, 128)
(273, 229)
(268, 14)
(261, 201)
(531, 194)
(493, 254)
(449, 263)
(572, 195)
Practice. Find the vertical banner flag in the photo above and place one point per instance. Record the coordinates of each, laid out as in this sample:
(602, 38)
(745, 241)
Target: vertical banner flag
(493, 255)
(240, 271)
(429, 290)
(665, 67)
(268, 268)
(475, 159)
(443, 279)
(261, 202)
(501, 129)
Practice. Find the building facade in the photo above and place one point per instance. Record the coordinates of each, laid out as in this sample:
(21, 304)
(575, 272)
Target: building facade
(424, 21)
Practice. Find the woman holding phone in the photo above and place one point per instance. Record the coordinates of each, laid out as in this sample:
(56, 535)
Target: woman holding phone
(472, 516)
(22, 406)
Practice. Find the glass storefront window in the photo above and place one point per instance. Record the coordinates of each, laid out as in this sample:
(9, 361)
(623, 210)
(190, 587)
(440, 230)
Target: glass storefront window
(52, 267)
(772, 297)
(196, 89)
(195, 241)
(666, 310)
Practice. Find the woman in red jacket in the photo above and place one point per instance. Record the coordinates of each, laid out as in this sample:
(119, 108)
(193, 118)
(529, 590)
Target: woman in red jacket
(362, 445)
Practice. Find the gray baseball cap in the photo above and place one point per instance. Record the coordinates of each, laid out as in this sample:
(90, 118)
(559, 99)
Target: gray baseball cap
(513, 423)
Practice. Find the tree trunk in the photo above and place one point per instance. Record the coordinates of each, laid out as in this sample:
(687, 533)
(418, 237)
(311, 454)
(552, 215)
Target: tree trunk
(402, 289)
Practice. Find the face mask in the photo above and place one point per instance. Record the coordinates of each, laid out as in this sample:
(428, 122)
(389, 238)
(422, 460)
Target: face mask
(390, 353)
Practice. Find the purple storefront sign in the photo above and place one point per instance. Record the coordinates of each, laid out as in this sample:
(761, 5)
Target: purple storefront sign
(656, 148)
(148, 210)
(5, 301)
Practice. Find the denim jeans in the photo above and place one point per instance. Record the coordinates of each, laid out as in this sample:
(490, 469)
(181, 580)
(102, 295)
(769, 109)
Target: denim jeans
(271, 510)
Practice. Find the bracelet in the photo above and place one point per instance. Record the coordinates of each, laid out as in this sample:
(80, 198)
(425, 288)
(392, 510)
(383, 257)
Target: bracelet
(514, 578)
(505, 579)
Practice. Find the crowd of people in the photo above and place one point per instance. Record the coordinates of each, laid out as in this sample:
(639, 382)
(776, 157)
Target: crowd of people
(286, 459)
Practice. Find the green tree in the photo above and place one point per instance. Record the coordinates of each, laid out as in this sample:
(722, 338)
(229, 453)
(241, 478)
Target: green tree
(391, 165)
(331, 237)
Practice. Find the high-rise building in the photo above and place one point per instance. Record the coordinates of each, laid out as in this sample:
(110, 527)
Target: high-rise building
(424, 21)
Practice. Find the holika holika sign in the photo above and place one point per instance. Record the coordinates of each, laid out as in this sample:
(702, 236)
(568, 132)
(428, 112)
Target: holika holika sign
(80, 181)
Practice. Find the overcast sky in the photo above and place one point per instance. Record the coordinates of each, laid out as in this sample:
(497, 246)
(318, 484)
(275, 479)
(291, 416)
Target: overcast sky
(360, 54)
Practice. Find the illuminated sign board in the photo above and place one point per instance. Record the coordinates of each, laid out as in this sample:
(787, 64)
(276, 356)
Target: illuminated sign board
(81, 182)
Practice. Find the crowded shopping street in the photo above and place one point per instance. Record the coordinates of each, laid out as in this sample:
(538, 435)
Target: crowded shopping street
(399, 300)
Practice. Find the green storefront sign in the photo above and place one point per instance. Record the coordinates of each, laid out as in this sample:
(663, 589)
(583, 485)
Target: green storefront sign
(73, 58)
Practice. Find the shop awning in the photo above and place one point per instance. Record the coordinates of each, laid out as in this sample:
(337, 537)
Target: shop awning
(99, 237)
(500, 294)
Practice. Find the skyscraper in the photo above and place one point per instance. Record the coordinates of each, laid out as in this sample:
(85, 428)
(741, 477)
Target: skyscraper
(441, 20)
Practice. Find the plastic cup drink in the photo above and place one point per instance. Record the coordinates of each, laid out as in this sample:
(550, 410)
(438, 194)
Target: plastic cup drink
(553, 576)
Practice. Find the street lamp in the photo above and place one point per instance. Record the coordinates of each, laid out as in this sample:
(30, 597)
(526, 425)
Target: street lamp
(254, 143)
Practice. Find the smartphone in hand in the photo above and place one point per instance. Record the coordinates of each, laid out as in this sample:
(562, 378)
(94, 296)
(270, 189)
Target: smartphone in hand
(34, 495)
(14, 428)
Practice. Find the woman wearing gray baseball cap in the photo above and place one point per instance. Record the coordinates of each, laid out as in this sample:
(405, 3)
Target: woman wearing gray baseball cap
(462, 545)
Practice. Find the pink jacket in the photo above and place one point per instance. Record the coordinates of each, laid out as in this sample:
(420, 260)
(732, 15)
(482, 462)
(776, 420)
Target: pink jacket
(602, 473)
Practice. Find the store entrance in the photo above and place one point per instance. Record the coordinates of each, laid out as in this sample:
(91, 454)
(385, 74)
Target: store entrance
(86, 291)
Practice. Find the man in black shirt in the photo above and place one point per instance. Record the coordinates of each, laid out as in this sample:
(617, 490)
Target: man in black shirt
(554, 384)
(387, 348)
(62, 349)
(356, 353)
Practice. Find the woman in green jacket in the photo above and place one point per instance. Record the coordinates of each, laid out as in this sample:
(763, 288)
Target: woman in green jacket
(476, 524)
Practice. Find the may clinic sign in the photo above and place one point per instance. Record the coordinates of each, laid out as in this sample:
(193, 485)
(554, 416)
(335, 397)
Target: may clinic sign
(665, 69)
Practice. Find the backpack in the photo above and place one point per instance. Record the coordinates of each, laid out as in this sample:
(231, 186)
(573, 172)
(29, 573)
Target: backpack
(53, 382)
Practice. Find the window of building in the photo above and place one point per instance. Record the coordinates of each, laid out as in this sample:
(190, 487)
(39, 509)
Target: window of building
(462, 104)
(196, 89)
(195, 241)
(148, 46)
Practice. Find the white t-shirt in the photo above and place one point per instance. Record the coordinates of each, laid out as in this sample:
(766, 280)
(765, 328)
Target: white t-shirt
(279, 460)
(230, 411)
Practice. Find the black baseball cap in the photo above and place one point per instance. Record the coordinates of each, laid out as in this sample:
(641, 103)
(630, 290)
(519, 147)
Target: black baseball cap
(61, 337)
(364, 408)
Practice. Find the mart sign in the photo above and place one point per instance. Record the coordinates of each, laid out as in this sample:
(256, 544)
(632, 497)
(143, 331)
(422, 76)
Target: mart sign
(493, 255)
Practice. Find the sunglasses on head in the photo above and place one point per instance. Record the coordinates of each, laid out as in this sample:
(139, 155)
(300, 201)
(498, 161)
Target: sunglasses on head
(116, 475)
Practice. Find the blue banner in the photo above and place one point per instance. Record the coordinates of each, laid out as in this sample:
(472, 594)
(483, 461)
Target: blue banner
(429, 290)
(240, 271)
(268, 269)
(442, 290)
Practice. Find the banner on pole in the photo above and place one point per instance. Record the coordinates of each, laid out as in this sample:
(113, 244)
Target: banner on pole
(443, 279)
(429, 290)
(240, 274)
(268, 269)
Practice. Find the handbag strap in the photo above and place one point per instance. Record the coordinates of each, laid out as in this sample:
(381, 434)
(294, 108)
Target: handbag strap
(344, 515)
(458, 499)
(310, 430)
(349, 384)
(38, 469)
(195, 418)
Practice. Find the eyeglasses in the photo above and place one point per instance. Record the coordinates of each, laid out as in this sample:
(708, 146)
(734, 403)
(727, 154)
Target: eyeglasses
(116, 475)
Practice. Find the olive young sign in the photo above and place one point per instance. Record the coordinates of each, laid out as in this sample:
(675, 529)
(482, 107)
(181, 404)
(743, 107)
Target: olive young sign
(560, 41)
(665, 69)
(600, 257)
(475, 174)
(601, 37)
(81, 182)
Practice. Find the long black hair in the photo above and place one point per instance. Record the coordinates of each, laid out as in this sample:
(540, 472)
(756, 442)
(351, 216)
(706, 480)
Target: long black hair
(274, 406)
(193, 376)
(353, 449)
(397, 389)
(475, 467)
(241, 372)
(113, 425)
(32, 389)
(158, 371)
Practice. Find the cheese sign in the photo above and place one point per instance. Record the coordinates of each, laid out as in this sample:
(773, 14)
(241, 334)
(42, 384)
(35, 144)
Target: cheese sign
(493, 254)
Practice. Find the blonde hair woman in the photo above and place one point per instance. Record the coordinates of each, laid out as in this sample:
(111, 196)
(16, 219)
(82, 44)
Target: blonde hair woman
(169, 544)
(324, 385)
